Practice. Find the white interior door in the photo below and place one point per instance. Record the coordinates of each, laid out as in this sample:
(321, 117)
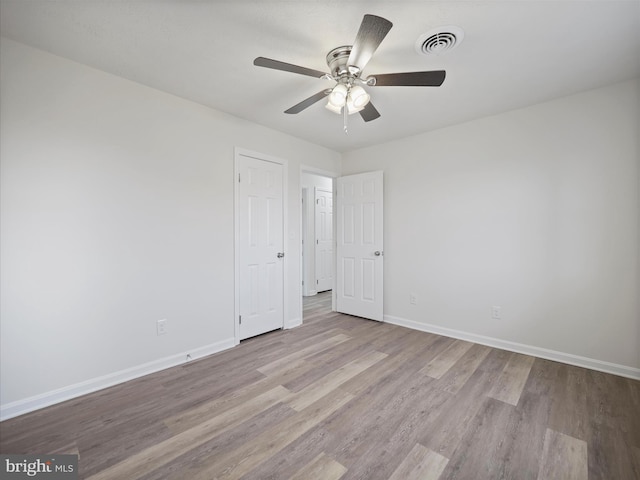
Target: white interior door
(324, 239)
(260, 243)
(359, 252)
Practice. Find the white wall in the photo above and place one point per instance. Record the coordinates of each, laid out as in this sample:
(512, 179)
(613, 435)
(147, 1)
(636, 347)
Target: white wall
(310, 182)
(117, 211)
(536, 211)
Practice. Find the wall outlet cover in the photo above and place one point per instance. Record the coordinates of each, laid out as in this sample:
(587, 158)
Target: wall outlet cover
(161, 327)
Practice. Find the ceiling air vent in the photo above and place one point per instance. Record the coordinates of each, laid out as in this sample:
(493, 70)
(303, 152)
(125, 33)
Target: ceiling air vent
(439, 40)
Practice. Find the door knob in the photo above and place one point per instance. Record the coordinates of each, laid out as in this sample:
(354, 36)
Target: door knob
(377, 253)
(280, 254)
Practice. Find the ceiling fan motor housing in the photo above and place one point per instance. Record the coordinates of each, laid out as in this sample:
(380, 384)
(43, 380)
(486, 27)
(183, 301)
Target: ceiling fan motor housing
(337, 60)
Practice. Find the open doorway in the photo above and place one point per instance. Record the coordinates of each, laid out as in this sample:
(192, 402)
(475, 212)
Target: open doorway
(317, 234)
(355, 255)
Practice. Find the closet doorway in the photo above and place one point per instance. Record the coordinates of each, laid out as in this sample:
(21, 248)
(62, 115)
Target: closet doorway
(317, 234)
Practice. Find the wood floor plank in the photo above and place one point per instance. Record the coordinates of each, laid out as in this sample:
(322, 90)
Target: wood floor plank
(310, 394)
(288, 461)
(103, 448)
(397, 341)
(609, 455)
(231, 440)
(617, 402)
(218, 404)
(630, 402)
(563, 457)
(389, 427)
(513, 378)
(443, 362)
(455, 378)
(163, 452)
(71, 449)
(418, 350)
(381, 454)
(242, 460)
(109, 406)
(277, 364)
(520, 454)
(420, 464)
(333, 359)
(449, 423)
(635, 461)
(279, 373)
(569, 414)
(322, 467)
(480, 445)
(613, 426)
(501, 442)
(541, 383)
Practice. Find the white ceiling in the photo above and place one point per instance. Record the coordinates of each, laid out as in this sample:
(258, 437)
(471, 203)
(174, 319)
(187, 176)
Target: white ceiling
(515, 53)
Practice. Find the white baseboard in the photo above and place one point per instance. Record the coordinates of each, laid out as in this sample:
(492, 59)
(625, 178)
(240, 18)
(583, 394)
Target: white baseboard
(591, 363)
(47, 399)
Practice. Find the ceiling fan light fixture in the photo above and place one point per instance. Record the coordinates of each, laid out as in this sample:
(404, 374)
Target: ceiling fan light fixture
(351, 108)
(338, 96)
(359, 97)
(333, 108)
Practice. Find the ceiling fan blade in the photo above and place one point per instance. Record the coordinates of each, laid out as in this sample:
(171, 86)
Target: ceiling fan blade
(308, 102)
(410, 79)
(369, 112)
(287, 67)
(372, 31)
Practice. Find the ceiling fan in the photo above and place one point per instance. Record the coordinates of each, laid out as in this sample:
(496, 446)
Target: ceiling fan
(346, 64)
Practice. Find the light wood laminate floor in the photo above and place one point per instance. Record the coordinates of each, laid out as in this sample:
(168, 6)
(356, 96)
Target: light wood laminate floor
(346, 398)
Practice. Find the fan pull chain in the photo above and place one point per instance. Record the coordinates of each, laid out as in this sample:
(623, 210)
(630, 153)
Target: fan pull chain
(345, 114)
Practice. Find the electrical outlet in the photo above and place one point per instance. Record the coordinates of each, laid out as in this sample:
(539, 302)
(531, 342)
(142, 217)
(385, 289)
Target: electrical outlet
(496, 312)
(161, 327)
(412, 299)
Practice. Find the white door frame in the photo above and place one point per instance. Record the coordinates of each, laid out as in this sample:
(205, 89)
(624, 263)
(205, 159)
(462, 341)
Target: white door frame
(332, 175)
(237, 152)
(304, 242)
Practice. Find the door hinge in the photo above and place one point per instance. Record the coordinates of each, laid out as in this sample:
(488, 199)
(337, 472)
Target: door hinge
(240, 319)
(238, 178)
(317, 282)
(318, 201)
